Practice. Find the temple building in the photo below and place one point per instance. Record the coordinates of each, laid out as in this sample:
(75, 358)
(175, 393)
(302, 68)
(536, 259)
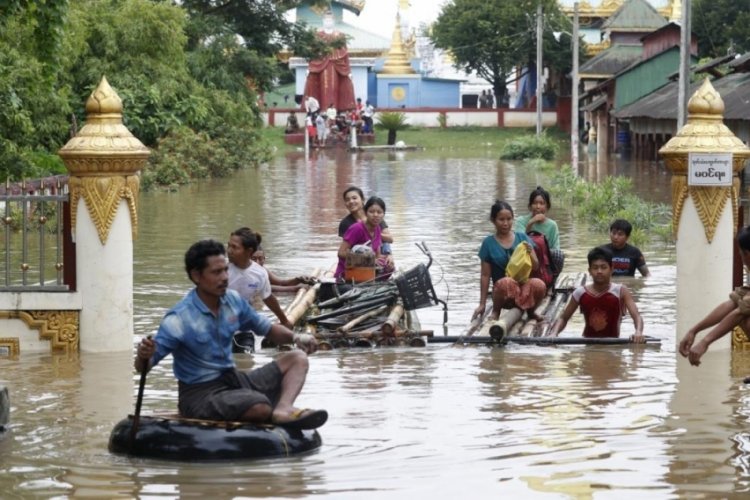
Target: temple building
(593, 15)
(387, 73)
(365, 49)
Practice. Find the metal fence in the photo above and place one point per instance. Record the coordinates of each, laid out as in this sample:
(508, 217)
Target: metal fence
(33, 235)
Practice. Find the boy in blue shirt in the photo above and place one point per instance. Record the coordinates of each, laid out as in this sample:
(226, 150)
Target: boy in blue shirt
(625, 258)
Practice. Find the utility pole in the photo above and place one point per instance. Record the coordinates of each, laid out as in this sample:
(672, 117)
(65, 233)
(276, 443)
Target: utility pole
(683, 89)
(539, 69)
(574, 95)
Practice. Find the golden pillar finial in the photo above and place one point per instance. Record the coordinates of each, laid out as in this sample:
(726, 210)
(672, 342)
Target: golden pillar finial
(104, 159)
(396, 62)
(705, 133)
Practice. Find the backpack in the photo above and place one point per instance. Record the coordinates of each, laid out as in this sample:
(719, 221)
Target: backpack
(545, 272)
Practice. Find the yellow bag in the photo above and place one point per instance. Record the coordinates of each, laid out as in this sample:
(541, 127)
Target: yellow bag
(519, 265)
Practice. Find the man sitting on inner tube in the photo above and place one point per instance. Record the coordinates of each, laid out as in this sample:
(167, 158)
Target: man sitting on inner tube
(198, 332)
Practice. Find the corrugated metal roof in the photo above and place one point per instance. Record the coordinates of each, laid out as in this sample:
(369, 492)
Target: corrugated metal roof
(635, 15)
(612, 60)
(662, 103)
(595, 104)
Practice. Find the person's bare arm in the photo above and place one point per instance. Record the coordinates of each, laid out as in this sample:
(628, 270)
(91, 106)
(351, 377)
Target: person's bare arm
(344, 249)
(712, 318)
(644, 271)
(484, 285)
(273, 305)
(632, 308)
(386, 236)
(561, 322)
(533, 220)
(723, 327)
(279, 334)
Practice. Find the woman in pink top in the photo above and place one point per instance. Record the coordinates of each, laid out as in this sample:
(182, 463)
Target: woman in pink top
(366, 232)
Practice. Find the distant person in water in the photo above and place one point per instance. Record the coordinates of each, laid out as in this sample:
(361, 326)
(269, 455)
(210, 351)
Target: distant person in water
(726, 316)
(625, 257)
(281, 285)
(602, 302)
(494, 254)
(198, 332)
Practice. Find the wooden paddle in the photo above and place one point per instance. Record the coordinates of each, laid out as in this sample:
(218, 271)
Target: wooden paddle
(138, 401)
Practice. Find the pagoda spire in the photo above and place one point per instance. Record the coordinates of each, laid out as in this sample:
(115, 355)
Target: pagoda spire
(396, 62)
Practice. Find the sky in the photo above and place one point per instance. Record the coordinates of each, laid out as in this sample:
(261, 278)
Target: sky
(379, 16)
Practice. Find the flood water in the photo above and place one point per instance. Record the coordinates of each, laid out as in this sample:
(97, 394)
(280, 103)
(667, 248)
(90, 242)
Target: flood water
(441, 421)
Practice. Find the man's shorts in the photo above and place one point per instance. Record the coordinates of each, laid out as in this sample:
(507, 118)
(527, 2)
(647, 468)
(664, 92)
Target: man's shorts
(232, 394)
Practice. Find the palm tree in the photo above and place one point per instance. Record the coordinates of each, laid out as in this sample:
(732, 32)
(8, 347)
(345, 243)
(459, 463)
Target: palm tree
(392, 122)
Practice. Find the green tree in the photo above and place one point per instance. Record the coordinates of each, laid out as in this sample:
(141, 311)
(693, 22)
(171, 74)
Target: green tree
(33, 107)
(493, 37)
(44, 17)
(264, 30)
(721, 24)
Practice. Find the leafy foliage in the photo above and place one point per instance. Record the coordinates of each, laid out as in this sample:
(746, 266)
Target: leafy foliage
(493, 37)
(264, 31)
(613, 198)
(719, 24)
(529, 146)
(392, 120)
(182, 75)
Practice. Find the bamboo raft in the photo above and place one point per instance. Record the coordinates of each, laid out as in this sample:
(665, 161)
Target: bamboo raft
(512, 326)
(374, 313)
(512, 323)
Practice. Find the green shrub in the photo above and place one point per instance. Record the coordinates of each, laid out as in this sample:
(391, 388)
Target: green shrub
(392, 120)
(529, 146)
(601, 203)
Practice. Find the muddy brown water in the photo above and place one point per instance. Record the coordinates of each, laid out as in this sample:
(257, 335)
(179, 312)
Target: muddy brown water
(442, 421)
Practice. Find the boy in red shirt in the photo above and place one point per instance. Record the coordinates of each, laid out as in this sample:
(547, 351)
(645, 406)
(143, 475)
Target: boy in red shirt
(602, 302)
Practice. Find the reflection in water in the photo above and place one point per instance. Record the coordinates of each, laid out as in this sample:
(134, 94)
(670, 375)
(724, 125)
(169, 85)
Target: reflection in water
(572, 421)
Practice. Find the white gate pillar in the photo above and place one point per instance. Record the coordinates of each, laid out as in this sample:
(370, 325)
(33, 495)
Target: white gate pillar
(104, 159)
(705, 158)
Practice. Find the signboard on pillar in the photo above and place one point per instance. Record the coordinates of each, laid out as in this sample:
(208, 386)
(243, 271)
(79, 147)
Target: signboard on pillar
(710, 169)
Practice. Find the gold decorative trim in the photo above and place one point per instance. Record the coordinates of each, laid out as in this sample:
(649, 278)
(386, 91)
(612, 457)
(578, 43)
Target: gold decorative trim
(740, 340)
(59, 327)
(9, 347)
(103, 160)
(103, 195)
(710, 203)
(679, 195)
(704, 132)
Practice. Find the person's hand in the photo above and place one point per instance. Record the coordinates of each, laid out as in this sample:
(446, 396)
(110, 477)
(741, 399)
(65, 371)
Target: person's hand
(306, 342)
(528, 247)
(698, 350)
(146, 348)
(307, 280)
(538, 219)
(686, 343)
(638, 338)
(478, 312)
